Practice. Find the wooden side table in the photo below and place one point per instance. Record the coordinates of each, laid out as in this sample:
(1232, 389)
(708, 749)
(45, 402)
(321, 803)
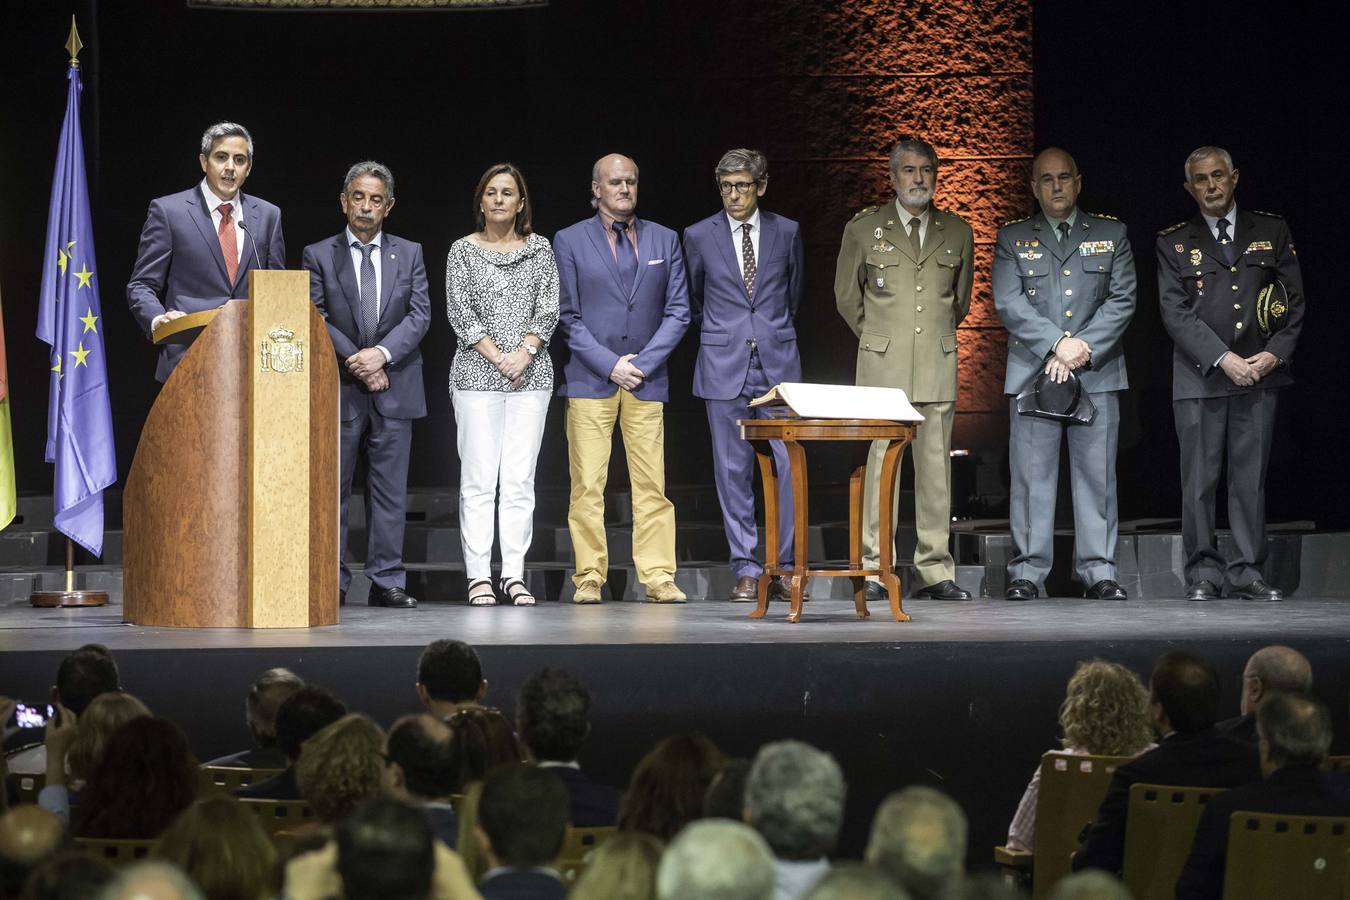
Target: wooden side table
(793, 433)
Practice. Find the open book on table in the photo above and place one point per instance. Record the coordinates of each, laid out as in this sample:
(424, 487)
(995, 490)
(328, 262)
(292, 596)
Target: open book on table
(840, 401)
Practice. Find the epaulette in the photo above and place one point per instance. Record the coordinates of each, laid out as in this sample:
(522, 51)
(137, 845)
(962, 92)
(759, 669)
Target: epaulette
(868, 211)
(1014, 221)
(1269, 215)
(1171, 228)
(1103, 216)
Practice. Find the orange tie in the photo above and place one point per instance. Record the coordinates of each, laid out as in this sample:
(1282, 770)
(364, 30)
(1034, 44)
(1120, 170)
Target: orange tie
(229, 245)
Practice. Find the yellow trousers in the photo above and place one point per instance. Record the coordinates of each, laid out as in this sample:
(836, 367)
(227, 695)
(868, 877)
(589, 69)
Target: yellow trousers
(590, 439)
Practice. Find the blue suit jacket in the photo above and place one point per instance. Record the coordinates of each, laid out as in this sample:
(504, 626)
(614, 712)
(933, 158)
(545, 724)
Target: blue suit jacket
(728, 318)
(179, 264)
(405, 314)
(601, 321)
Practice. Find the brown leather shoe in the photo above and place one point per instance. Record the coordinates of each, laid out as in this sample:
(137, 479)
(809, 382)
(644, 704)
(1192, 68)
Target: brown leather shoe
(780, 588)
(746, 590)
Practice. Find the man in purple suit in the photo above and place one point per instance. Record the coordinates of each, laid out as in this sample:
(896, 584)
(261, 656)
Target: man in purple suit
(197, 246)
(624, 308)
(371, 289)
(745, 282)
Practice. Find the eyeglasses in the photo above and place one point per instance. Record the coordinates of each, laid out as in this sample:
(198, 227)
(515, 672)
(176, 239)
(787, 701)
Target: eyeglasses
(740, 187)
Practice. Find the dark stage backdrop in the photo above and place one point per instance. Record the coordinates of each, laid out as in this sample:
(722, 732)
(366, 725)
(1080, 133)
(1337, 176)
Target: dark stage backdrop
(822, 87)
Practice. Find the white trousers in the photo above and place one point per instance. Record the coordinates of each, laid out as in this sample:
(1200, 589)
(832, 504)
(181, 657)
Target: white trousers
(499, 433)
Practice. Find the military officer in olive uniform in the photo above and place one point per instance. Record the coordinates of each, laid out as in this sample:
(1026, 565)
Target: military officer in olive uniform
(1232, 352)
(902, 283)
(1064, 287)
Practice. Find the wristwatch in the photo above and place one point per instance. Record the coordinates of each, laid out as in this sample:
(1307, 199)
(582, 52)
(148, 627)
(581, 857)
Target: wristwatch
(531, 349)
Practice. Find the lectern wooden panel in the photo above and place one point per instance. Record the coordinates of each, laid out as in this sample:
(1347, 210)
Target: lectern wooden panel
(231, 505)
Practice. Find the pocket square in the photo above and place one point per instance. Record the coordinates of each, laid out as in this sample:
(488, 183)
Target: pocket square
(655, 262)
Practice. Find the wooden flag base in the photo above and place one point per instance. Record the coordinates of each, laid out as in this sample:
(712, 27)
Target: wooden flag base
(54, 599)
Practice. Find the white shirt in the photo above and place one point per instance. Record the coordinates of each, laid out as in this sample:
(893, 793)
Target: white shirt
(906, 215)
(1213, 222)
(236, 215)
(736, 238)
(375, 260)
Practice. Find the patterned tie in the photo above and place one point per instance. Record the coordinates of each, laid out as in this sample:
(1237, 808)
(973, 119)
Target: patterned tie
(370, 318)
(623, 254)
(229, 243)
(1063, 234)
(1226, 241)
(914, 236)
(748, 258)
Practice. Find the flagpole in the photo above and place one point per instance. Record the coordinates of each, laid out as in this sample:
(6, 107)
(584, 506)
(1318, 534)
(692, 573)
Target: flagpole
(70, 596)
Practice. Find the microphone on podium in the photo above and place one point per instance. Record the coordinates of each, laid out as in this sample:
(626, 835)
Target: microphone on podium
(252, 242)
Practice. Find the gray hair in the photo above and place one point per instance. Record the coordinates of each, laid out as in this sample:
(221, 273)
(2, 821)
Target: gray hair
(1297, 729)
(375, 170)
(853, 881)
(794, 797)
(919, 839)
(131, 883)
(1281, 668)
(1200, 153)
(1090, 884)
(743, 160)
(595, 174)
(716, 859)
(224, 130)
(913, 145)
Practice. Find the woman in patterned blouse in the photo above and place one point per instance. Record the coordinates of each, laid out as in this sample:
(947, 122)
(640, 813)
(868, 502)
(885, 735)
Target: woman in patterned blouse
(501, 291)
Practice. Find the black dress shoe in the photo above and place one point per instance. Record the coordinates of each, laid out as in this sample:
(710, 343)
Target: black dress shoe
(943, 590)
(1106, 589)
(874, 592)
(1202, 590)
(1257, 590)
(391, 597)
(1021, 589)
(342, 598)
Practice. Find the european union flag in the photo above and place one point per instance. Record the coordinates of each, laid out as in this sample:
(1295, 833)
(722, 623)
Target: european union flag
(79, 414)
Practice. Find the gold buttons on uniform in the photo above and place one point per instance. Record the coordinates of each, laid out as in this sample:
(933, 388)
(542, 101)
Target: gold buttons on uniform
(1239, 325)
(1068, 292)
(1067, 272)
(918, 287)
(918, 309)
(1237, 306)
(918, 331)
(1234, 287)
(1069, 313)
(1233, 269)
(1066, 334)
(1197, 271)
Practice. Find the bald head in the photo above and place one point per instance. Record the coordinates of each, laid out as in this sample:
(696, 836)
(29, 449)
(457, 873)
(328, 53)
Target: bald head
(614, 186)
(1055, 182)
(152, 881)
(28, 835)
(1274, 669)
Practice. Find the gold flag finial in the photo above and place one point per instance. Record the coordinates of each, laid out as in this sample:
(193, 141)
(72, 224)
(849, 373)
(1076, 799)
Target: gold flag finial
(73, 43)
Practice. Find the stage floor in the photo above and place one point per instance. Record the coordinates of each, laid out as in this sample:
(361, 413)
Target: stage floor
(714, 622)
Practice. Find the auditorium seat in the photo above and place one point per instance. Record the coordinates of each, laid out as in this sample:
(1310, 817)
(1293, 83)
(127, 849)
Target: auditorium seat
(21, 787)
(226, 779)
(280, 815)
(578, 845)
(1275, 855)
(1159, 831)
(119, 852)
(1339, 764)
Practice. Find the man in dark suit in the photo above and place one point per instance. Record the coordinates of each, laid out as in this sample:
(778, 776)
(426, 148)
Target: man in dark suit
(553, 721)
(745, 283)
(1184, 694)
(1270, 671)
(625, 307)
(198, 245)
(268, 691)
(419, 770)
(1295, 735)
(1232, 356)
(301, 716)
(522, 820)
(371, 289)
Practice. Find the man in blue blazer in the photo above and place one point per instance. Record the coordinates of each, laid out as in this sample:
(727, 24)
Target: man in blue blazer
(625, 307)
(745, 282)
(198, 245)
(371, 289)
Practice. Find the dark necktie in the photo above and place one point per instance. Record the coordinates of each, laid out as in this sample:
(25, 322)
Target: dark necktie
(1063, 235)
(229, 246)
(748, 258)
(914, 236)
(370, 318)
(1225, 241)
(623, 254)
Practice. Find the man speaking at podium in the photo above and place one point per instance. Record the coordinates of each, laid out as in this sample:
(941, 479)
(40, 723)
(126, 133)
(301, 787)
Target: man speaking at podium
(197, 246)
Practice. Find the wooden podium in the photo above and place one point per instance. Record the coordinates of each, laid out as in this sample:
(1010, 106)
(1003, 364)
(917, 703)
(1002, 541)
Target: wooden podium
(230, 511)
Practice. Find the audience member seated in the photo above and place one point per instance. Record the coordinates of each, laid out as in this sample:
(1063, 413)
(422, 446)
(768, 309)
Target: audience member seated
(223, 849)
(919, 839)
(28, 836)
(716, 859)
(81, 677)
(1293, 738)
(146, 778)
(553, 720)
(299, 717)
(1275, 669)
(1092, 884)
(725, 798)
(1184, 704)
(264, 698)
(69, 875)
(522, 821)
(622, 868)
(418, 771)
(75, 747)
(852, 881)
(794, 798)
(385, 851)
(450, 678)
(481, 740)
(668, 786)
(1105, 713)
(152, 880)
(341, 767)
